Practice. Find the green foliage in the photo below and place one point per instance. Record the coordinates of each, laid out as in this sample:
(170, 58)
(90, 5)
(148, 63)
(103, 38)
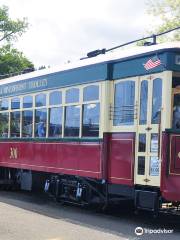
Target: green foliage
(12, 61)
(167, 12)
(10, 29)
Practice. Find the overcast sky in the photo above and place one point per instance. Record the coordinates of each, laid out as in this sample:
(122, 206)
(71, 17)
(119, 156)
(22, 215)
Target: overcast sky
(62, 30)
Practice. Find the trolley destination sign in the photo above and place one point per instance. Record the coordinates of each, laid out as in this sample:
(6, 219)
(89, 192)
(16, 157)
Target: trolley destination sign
(81, 75)
(25, 86)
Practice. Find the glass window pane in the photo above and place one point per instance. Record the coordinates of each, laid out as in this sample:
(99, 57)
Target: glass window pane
(90, 120)
(4, 104)
(40, 122)
(15, 124)
(4, 124)
(27, 102)
(72, 95)
(41, 100)
(141, 165)
(154, 166)
(154, 142)
(124, 103)
(91, 93)
(55, 98)
(15, 103)
(27, 123)
(55, 122)
(142, 143)
(143, 102)
(156, 101)
(72, 121)
(176, 112)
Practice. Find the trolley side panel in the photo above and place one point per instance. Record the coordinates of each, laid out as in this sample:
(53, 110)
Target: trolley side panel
(75, 158)
(170, 174)
(121, 158)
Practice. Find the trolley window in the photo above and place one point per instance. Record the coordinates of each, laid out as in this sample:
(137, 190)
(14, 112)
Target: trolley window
(72, 95)
(15, 103)
(27, 122)
(90, 120)
(4, 120)
(40, 122)
(143, 102)
(72, 121)
(27, 102)
(91, 93)
(142, 143)
(15, 124)
(157, 100)
(55, 98)
(4, 104)
(141, 165)
(124, 103)
(40, 100)
(55, 122)
(176, 111)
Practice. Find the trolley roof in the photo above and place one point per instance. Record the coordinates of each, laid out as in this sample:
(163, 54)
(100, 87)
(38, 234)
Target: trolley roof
(117, 55)
(119, 64)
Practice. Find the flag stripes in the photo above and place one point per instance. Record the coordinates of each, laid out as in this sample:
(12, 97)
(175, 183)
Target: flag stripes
(152, 63)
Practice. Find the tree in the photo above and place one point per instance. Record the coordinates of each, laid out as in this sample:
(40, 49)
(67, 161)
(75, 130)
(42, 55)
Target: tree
(13, 62)
(11, 29)
(169, 13)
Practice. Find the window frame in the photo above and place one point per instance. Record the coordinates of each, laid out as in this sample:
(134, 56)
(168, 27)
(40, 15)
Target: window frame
(86, 104)
(29, 95)
(73, 88)
(125, 126)
(8, 108)
(22, 111)
(20, 103)
(92, 100)
(153, 121)
(145, 81)
(46, 98)
(49, 95)
(63, 104)
(8, 113)
(20, 122)
(48, 120)
(46, 125)
(80, 120)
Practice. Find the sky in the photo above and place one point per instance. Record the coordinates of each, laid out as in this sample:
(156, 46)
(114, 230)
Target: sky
(66, 30)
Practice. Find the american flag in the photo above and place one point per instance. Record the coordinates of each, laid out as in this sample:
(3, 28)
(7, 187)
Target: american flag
(152, 63)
